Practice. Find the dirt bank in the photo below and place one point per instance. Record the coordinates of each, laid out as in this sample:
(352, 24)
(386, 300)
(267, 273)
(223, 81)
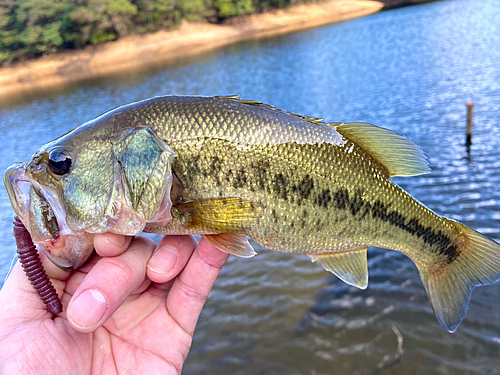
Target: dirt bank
(189, 39)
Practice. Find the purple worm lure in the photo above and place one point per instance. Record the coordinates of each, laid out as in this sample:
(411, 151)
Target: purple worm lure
(32, 266)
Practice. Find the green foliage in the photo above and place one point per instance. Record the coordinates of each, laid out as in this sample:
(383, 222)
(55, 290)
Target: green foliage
(230, 8)
(192, 10)
(29, 28)
(154, 15)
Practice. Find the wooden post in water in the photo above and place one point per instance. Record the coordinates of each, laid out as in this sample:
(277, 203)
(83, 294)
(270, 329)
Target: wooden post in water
(468, 134)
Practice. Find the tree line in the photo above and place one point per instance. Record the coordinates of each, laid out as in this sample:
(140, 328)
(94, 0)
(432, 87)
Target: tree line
(30, 28)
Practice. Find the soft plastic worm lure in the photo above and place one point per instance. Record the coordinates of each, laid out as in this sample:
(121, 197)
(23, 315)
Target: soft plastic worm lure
(32, 266)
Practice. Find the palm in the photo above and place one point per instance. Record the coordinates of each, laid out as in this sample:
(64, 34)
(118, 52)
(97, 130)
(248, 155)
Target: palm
(142, 337)
(151, 331)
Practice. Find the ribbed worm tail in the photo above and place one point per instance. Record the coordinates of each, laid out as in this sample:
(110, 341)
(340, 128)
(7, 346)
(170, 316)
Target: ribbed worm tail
(32, 266)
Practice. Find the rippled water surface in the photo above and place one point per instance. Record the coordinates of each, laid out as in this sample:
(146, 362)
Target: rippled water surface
(411, 70)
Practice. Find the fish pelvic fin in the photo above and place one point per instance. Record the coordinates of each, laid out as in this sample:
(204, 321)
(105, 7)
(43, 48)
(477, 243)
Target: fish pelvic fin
(232, 243)
(394, 153)
(449, 286)
(351, 267)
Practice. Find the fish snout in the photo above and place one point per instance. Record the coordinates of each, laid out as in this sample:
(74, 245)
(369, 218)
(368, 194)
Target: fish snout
(17, 184)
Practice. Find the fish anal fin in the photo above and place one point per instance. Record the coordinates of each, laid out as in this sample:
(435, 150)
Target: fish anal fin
(396, 154)
(350, 267)
(221, 215)
(449, 284)
(232, 243)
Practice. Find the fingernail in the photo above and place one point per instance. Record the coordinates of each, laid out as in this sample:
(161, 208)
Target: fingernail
(116, 240)
(163, 260)
(88, 308)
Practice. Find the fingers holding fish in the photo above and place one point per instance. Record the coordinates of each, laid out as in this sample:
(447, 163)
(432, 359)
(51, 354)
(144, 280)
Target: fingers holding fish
(170, 258)
(108, 284)
(191, 288)
(110, 244)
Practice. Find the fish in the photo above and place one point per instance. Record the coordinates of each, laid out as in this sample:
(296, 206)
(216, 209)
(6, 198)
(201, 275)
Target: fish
(231, 169)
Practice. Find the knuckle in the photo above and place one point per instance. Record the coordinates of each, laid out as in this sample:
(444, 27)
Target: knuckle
(191, 292)
(118, 271)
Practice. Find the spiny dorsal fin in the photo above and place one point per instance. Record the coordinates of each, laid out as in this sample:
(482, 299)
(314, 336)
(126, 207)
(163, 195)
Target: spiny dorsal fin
(256, 103)
(227, 96)
(350, 267)
(398, 155)
(232, 243)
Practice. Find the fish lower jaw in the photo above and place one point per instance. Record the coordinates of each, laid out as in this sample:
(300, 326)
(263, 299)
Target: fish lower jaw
(54, 255)
(69, 252)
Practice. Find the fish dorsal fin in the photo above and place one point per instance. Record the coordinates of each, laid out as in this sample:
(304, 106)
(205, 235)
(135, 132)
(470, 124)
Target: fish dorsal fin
(219, 215)
(256, 103)
(350, 267)
(232, 243)
(398, 155)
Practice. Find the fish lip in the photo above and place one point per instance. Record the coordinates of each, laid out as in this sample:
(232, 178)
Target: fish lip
(17, 184)
(62, 263)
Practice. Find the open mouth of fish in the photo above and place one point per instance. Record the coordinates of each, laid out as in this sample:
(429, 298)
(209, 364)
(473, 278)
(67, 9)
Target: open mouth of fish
(40, 210)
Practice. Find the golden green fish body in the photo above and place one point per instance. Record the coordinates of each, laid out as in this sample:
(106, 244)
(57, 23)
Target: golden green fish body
(227, 168)
(313, 199)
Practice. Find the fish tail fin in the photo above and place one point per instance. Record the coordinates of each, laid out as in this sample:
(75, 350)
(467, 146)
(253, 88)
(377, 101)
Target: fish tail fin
(449, 286)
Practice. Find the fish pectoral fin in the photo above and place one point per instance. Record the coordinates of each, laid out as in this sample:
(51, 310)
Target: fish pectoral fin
(350, 267)
(221, 215)
(232, 243)
(396, 154)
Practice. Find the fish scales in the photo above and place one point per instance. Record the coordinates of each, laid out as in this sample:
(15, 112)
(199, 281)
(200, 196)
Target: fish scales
(226, 168)
(192, 118)
(311, 199)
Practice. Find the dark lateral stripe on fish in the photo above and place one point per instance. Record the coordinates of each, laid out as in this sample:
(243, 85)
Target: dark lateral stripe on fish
(283, 189)
(355, 203)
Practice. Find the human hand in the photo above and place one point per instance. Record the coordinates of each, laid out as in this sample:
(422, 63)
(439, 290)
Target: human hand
(131, 309)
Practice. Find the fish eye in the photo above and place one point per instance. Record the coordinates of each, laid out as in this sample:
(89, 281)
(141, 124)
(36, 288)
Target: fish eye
(59, 161)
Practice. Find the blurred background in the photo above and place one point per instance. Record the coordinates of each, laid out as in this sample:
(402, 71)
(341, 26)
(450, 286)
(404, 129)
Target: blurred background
(409, 69)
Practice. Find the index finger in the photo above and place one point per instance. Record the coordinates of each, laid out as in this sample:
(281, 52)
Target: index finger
(108, 284)
(193, 285)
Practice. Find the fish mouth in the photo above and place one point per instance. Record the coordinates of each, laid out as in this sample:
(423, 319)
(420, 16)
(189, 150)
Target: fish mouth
(42, 213)
(36, 205)
(63, 263)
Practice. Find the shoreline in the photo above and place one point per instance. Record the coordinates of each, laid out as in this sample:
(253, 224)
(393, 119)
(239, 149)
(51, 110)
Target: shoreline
(188, 39)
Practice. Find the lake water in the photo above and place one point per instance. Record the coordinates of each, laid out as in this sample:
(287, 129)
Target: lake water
(411, 70)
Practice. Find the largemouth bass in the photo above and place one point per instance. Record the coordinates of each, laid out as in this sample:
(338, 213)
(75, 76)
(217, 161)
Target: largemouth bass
(227, 168)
